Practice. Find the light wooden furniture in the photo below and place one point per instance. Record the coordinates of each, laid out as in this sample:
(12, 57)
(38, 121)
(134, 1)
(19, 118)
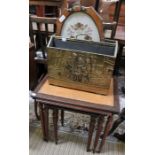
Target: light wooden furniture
(96, 106)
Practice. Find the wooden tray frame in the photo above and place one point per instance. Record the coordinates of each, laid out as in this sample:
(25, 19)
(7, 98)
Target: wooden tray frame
(89, 11)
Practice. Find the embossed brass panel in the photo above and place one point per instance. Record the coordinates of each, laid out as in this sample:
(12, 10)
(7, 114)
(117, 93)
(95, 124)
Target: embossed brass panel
(72, 68)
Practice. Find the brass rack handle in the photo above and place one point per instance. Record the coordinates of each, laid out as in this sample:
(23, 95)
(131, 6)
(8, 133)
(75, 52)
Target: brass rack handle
(76, 9)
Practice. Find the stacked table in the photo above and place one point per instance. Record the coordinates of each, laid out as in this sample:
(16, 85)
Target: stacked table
(95, 105)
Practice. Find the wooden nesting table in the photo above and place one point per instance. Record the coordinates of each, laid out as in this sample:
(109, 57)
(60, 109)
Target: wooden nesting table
(95, 105)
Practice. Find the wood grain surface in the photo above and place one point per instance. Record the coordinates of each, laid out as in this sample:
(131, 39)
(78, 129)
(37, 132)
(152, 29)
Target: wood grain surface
(78, 95)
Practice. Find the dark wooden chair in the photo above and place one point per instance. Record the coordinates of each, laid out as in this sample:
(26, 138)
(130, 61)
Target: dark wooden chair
(110, 12)
(113, 15)
(40, 30)
(32, 67)
(47, 8)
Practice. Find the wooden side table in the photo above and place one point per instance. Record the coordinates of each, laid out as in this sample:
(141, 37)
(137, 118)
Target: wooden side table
(95, 105)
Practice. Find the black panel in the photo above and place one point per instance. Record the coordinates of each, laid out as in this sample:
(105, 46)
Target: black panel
(107, 48)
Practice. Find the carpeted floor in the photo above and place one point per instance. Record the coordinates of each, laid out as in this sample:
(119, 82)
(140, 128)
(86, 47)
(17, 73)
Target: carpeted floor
(69, 144)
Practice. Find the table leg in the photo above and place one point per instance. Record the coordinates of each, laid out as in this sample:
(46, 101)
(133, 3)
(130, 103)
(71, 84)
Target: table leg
(62, 117)
(90, 133)
(36, 109)
(46, 114)
(98, 132)
(42, 118)
(106, 131)
(55, 123)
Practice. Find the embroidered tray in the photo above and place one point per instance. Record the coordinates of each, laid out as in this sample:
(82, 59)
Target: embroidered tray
(82, 23)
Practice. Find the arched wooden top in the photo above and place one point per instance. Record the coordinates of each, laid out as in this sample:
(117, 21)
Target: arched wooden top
(89, 11)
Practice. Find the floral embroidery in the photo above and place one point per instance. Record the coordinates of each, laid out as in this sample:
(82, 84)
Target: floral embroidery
(80, 31)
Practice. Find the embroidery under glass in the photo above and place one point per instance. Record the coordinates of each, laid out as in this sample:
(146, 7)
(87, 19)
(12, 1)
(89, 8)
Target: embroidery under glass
(81, 26)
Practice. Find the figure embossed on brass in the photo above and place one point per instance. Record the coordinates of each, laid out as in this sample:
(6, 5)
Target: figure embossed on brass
(79, 68)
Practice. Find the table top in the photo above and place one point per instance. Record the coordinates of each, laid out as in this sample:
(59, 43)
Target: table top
(78, 95)
(65, 97)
